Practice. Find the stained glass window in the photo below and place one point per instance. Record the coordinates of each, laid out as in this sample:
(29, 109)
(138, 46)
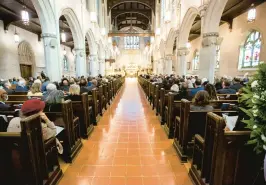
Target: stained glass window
(131, 42)
(250, 52)
(65, 63)
(218, 53)
(195, 61)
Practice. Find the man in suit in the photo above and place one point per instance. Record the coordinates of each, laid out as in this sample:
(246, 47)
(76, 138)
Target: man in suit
(198, 87)
(226, 88)
(84, 88)
(3, 98)
(236, 85)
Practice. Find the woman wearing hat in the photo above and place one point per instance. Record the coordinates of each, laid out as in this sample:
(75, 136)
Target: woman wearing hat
(31, 107)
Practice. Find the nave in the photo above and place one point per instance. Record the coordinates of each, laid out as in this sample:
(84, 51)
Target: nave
(127, 147)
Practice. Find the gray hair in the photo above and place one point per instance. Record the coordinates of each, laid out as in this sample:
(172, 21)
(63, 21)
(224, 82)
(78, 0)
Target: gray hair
(55, 96)
(51, 87)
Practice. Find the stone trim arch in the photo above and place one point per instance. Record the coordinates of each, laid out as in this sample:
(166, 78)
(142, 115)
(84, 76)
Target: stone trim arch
(75, 28)
(186, 26)
(170, 41)
(92, 42)
(26, 55)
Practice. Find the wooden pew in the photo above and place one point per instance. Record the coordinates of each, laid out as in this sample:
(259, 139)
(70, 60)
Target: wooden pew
(25, 159)
(223, 158)
(94, 101)
(157, 97)
(83, 110)
(190, 123)
(101, 99)
(163, 103)
(227, 96)
(105, 93)
(62, 115)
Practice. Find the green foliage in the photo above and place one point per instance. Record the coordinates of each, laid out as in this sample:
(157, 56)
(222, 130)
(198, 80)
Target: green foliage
(254, 100)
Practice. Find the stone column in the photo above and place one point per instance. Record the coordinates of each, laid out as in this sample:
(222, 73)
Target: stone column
(102, 66)
(80, 62)
(161, 66)
(208, 55)
(154, 67)
(169, 65)
(93, 65)
(181, 60)
(51, 52)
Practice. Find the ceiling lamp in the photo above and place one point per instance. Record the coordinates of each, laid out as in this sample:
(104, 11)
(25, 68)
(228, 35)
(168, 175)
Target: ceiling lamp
(64, 52)
(93, 17)
(188, 45)
(167, 17)
(25, 16)
(158, 31)
(16, 36)
(152, 39)
(252, 14)
(110, 40)
(103, 31)
(63, 36)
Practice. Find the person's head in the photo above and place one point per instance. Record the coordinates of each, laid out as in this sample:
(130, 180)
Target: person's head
(51, 87)
(3, 95)
(211, 91)
(21, 83)
(237, 80)
(226, 83)
(47, 79)
(201, 98)
(65, 82)
(54, 97)
(39, 77)
(14, 79)
(94, 82)
(74, 89)
(32, 106)
(35, 88)
(38, 81)
(72, 81)
(198, 83)
(89, 79)
(31, 79)
(83, 82)
(7, 84)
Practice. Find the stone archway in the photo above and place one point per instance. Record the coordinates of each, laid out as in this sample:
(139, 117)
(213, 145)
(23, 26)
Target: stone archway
(93, 57)
(170, 41)
(26, 59)
(79, 40)
(101, 57)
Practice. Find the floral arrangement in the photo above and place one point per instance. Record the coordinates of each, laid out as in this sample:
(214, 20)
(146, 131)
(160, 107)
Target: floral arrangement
(254, 99)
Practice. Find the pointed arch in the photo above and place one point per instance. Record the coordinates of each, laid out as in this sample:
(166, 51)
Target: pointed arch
(173, 33)
(91, 42)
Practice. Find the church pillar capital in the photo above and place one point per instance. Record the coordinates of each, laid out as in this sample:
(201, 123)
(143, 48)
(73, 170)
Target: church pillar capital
(182, 51)
(211, 38)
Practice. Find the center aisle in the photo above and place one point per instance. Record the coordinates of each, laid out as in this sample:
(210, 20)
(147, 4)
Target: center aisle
(127, 147)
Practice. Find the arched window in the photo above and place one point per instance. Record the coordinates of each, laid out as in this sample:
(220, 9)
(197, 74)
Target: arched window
(195, 61)
(250, 51)
(131, 42)
(65, 63)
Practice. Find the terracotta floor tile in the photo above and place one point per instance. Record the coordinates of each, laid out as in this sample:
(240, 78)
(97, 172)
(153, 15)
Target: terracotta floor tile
(128, 146)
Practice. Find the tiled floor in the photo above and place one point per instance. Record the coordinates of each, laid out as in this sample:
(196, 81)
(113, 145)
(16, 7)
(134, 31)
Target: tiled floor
(127, 147)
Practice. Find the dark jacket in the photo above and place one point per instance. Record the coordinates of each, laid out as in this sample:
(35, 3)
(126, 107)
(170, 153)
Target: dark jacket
(85, 89)
(194, 91)
(4, 107)
(21, 89)
(236, 86)
(9, 91)
(64, 88)
(226, 90)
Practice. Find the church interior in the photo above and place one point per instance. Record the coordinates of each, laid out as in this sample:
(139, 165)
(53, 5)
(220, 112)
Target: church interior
(132, 92)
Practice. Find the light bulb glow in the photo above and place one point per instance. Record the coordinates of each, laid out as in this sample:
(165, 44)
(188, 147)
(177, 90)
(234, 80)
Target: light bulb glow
(93, 17)
(152, 39)
(252, 14)
(158, 31)
(167, 17)
(25, 16)
(63, 36)
(103, 31)
(110, 40)
(16, 38)
(188, 45)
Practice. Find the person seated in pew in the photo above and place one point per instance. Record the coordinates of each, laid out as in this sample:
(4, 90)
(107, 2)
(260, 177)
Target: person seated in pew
(226, 88)
(74, 93)
(45, 83)
(211, 91)
(54, 100)
(7, 87)
(197, 88)
(35, 90)
(175, 86)
(84, 88)
(3, 99)
(50, 87)
(21, 86)
(29, 108)
(14, 81)
(201, 102)
(236, 84)
(64, 85)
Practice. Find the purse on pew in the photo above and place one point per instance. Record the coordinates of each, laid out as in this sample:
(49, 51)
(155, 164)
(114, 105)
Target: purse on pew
(62, 115)
(223, 157)
(25, 158)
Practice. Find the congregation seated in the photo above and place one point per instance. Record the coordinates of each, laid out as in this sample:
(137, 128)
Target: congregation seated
(74, 93)
(54, 100)
(201, 102)
(211, 91)
(21, 86)
(236, 84)
(226, 88)
(50, 87)
(7, 87)
(44, 84)
(35, 90)
(198, 87)
(83, 87)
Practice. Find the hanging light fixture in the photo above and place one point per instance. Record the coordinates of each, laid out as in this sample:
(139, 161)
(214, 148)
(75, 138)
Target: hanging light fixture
(252, 14)
(93, 17)
(103, 31)
(158, 31)
(110, 40)
(16, 36)
(188, 45)
(63, 36)
(167, 17)
(152, 39)
(64, 52)
(25, 15)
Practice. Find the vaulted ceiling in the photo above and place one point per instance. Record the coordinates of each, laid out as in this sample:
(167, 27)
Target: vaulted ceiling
(135, 13)
(232, 9)
(10, 13)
